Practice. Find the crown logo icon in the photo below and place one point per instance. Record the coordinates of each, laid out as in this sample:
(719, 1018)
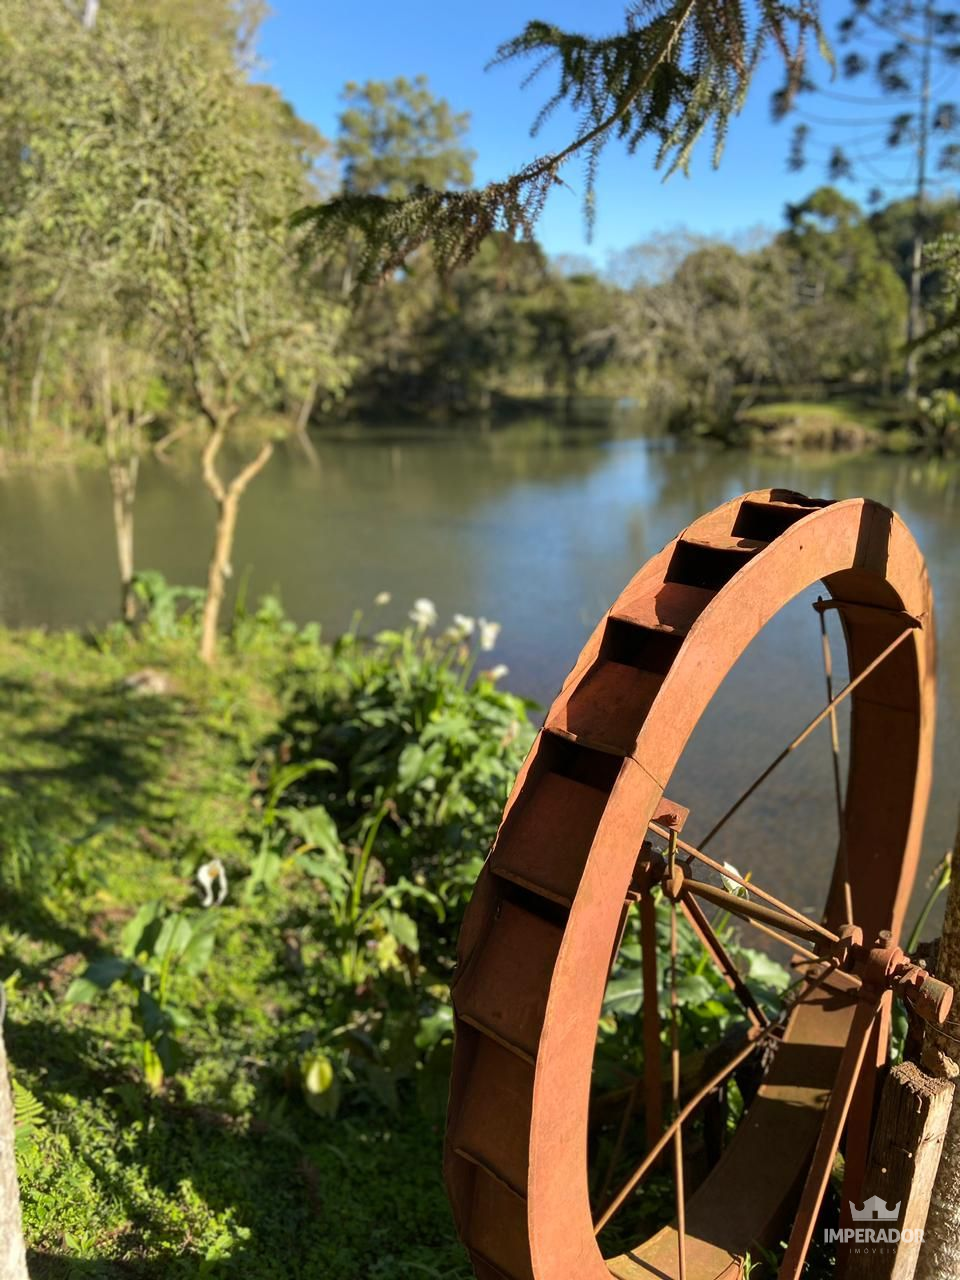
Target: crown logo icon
(874, 1210)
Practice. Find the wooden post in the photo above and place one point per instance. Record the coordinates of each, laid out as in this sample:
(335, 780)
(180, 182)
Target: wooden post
(904, 1157)
(13, 1263)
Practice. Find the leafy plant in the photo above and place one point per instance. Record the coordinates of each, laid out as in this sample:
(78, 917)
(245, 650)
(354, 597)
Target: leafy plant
(166, 609)
(384, 1016)
(407, 724)
(939, 419)
(28, 1117)
(708, 1008)
(156, 944)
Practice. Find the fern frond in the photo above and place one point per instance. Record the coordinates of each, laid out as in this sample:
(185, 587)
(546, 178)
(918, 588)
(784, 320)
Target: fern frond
(28, 1116)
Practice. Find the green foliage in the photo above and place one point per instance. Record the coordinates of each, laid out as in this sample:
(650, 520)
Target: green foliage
(156, 943)
(853, 304)
(939, 419)
(143, 172)
(396, 136)
(295, 1084)
(28, 1118)
(674, 70)
(944, 337)
(164, 608)
(708, 1008)
(421, 746)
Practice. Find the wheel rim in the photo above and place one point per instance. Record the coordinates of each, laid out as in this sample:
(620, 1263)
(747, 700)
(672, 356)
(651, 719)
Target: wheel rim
(537, 938)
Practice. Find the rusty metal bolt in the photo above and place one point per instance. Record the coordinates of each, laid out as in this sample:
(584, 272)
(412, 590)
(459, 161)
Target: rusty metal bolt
(929, 998)
(845, 950)
(672, 882)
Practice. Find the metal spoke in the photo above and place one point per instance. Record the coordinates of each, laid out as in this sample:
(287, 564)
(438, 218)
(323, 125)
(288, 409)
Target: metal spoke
(748, 910)
(654, 1153)
(787, 942)
(730, 874)
(829, 1140)
(805, 733)
(723, 960)
(835, 751)
(675, 1071)
(652, 1073)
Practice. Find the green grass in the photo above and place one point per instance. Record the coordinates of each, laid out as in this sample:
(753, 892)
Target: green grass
(843, 423)
(110, 799)
(844, 408)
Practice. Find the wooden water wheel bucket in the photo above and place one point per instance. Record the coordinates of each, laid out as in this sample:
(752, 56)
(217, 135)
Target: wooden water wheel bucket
(578, 845)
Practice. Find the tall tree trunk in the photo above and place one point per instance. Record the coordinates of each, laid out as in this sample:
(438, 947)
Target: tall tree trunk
(227, 497)
(13, 1262)
(915, 312)
(940, 1255)
(122, 427)
(123, 482)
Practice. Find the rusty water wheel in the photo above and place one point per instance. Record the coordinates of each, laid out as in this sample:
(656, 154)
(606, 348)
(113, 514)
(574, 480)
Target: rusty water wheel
(573, 848)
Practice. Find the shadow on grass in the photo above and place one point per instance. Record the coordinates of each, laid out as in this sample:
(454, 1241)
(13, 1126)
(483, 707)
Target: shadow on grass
(102, 757)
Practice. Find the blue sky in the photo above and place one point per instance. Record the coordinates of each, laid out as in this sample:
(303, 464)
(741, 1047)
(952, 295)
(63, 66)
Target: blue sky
(310, 50)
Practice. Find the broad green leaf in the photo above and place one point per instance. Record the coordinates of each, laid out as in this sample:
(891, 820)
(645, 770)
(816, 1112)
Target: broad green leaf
(694, 989)
(197, 953)
(314, 826)
(97, 977)
(173, 938)
(140, 933)
(284, 778)
(624, 994)
(152, 1017)
(434, 1027)
(401, 927)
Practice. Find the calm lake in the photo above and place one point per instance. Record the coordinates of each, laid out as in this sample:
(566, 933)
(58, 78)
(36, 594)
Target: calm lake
(537, 525)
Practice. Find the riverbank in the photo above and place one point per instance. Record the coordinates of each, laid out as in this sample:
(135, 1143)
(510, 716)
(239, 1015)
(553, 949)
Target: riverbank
(294, 1123)
(847, 423)
(229, 901)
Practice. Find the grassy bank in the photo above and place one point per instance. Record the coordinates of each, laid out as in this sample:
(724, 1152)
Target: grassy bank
(125, 766)
(257, 1086)
(832, 423)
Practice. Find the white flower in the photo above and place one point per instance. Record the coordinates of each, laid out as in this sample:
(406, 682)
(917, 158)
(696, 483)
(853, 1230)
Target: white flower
(382, 597)
(497, 672)
(488, 633)
(733, 886)
(464, 624)
(211, 871)
(423, 613)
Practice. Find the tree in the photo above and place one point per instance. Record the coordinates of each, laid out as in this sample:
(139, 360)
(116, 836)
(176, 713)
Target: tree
(707, 321)
(577, 329)
(150, 187)
(74, 189)
(394, 139)
(221, 268)
(13, 1262)
(849, 299)
(395, 136)
(673, 70)
(906, 48)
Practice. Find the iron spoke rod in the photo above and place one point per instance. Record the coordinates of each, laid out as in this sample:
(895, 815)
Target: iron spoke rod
(805, 733)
